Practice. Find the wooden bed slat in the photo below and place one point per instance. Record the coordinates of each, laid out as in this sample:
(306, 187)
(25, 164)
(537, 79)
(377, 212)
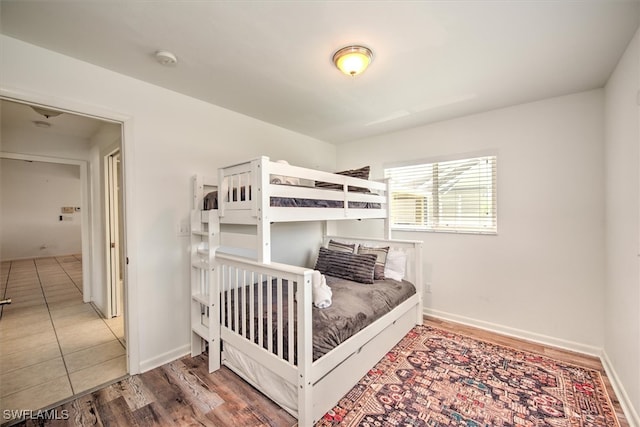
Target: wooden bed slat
(269, 322)
(291, 314)
(279, 315)
(252, 320)
(260, 310)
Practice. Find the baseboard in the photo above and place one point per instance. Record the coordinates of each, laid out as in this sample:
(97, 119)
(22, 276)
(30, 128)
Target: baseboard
(164, 358)
(516, 333)
(625, 401)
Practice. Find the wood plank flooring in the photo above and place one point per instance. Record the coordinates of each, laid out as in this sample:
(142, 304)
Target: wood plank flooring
(184, 393)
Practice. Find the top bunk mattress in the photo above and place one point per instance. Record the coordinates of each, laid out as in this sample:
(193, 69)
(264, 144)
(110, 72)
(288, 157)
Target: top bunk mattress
(211, 202)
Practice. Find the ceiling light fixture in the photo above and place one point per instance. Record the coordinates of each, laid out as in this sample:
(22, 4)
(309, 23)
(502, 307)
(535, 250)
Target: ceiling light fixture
(45, 111)
(353, 60)
(166, 58)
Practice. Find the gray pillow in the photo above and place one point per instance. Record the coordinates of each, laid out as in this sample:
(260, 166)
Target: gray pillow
(354, 267)
(334, 245)
(381, 260)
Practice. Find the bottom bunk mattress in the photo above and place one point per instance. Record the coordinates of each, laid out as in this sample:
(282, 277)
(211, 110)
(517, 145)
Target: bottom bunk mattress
(354, 307)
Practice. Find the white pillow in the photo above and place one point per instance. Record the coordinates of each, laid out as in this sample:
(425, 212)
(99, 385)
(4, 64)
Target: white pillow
(287, 180)
(396, 265)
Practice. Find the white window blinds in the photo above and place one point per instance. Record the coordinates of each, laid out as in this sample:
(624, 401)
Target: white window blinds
(455, 196)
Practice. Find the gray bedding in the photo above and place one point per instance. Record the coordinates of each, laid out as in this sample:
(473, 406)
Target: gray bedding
(354, 307)
(211, 202)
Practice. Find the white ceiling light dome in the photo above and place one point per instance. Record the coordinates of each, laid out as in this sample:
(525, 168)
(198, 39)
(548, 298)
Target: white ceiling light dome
(353, 60)
(167, 58)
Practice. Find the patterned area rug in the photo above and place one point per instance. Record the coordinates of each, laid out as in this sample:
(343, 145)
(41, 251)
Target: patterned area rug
(437, 378)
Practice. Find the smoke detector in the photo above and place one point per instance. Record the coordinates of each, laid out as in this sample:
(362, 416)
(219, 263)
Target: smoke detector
(166, 58)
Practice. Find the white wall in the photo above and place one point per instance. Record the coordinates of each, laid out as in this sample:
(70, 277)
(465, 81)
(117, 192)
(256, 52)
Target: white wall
(31, 197)
(171, 137)
(542, 276)
(622, 296)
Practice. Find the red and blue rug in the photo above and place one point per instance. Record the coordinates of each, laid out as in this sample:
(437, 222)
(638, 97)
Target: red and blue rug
(437, 378)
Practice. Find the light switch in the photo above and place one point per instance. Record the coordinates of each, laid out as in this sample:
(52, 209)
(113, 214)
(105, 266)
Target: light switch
(183, 228)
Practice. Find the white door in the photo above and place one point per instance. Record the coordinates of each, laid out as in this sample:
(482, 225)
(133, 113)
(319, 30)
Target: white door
(115, 256)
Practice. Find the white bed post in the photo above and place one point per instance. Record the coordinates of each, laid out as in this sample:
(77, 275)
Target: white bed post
(305, 351)
(197, 192)
(387, 217)
(223, 189)
(330, 229)
(419, 283)
(261, 202)
(215, 278)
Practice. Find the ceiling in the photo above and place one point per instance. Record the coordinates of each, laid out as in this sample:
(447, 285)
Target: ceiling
(271, 60)
(18, 117)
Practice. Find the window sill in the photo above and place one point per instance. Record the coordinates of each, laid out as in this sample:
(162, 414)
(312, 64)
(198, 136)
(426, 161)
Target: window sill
(423, 230)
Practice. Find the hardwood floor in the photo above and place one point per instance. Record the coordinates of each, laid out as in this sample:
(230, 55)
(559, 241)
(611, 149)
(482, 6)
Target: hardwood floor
(184, 393)
(176, 394)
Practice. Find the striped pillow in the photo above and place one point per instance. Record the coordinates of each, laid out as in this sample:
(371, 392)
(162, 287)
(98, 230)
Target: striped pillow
(334, 245)
(355, 267)
(381, 261)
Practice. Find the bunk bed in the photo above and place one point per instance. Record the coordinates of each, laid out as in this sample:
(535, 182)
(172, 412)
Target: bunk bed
(257, 317)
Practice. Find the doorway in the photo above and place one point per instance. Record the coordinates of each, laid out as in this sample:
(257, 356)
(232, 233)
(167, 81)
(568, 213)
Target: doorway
(71, 317)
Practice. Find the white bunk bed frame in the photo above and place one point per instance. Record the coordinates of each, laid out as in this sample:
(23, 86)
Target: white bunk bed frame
(313, 387)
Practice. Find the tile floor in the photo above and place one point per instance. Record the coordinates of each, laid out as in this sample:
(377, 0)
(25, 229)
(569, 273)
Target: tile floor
(52, 345)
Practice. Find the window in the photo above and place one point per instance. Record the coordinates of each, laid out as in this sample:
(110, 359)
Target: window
(455, 196)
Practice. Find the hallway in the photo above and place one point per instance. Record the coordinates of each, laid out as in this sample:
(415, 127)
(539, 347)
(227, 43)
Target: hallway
(52, 345)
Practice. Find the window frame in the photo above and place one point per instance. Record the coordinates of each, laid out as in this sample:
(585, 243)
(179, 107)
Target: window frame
(436, 226)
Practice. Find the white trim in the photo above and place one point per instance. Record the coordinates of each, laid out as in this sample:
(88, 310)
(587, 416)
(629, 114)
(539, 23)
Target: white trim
(111, 270)
(621, 394)
(132, 331)
(85, 228)
(516, 333)
(22, 95)
(164, 358)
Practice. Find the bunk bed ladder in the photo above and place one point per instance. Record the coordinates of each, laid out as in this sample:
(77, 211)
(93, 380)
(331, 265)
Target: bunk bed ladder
(205, 309)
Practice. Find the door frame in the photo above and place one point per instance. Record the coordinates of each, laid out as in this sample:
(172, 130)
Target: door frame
(112, 215)
(128, 172)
